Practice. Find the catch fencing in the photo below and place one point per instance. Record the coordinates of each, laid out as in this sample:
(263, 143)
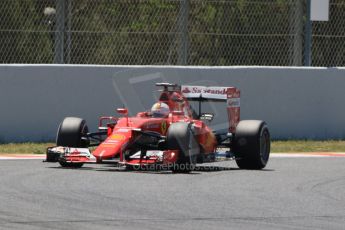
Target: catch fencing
(168, 32)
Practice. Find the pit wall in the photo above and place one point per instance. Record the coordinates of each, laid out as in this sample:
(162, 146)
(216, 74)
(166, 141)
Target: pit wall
(297, 103)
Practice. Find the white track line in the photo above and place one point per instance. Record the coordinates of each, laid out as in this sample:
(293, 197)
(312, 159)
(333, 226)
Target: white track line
(306, 155)
(22, 157)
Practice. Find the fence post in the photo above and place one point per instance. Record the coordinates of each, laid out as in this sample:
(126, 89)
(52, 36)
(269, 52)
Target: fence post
(308, 36)
(184, 38)
(296, 27)
(59, 32)
(68, 32)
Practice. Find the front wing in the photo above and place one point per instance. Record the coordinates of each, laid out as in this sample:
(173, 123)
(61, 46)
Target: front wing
(148, 157)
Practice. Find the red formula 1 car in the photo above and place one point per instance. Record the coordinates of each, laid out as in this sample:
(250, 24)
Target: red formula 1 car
(172, 135)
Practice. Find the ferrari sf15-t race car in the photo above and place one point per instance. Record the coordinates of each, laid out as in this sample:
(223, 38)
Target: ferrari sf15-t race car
(172, 134)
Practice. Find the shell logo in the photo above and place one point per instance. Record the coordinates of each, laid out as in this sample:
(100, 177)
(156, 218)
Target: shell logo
(117, 137)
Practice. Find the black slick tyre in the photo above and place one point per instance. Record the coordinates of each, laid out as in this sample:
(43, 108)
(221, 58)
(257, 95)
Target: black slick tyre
(180, 137)
(72, 133)
(252, 144)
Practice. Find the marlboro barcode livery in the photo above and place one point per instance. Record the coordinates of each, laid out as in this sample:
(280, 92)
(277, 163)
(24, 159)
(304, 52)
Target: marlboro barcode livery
(171, 135)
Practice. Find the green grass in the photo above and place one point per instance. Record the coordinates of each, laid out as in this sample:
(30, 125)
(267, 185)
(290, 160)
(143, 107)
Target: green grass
(36, 148)
(308, 146)
(276, 147)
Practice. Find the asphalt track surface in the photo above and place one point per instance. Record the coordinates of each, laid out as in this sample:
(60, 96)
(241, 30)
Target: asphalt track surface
(291, 193)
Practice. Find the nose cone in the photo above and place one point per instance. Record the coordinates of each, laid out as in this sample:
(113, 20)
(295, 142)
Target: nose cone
(111, 147)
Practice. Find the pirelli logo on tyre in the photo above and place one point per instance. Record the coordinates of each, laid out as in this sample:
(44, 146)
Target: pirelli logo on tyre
(164, 127)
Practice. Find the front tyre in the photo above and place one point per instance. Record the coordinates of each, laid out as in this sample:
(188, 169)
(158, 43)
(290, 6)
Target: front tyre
(180, 137)
(72, 132)
(252, 144)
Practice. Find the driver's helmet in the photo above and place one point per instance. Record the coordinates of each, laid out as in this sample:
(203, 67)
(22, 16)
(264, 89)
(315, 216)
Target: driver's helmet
(160, 109)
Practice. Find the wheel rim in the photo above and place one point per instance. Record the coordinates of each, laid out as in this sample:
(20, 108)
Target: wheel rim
(265, 145)
(83, 133)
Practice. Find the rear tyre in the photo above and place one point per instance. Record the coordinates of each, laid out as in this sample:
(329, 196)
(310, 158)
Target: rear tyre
(252, 144)
(72, 132)
(180, 137)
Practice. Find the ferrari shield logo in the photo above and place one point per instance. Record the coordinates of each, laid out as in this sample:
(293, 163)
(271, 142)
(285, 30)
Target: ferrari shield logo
(164, 127)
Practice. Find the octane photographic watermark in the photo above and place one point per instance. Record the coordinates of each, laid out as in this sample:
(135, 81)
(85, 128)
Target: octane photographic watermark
(176, 167)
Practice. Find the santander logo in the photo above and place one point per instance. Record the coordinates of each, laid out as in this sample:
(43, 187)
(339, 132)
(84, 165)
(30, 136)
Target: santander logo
(212, 92)
(196, 90)
(186, 90)
(215, 91)
(209, 90)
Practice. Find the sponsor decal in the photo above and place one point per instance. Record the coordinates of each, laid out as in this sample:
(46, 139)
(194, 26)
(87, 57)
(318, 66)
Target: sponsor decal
(233, 93)
(205, 92)
(218, 90)
(118, 137)
(164, 127)
(150, 153)
(192, 91)
(74, 151)
(77, 152)
(233, 102)
(185, 89)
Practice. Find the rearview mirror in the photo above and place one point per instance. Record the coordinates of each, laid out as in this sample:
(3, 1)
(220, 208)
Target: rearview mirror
(122, 110)
(206, 117)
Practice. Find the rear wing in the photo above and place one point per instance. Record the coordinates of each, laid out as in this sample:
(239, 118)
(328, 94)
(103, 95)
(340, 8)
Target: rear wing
(230, 95)
(203, 93)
